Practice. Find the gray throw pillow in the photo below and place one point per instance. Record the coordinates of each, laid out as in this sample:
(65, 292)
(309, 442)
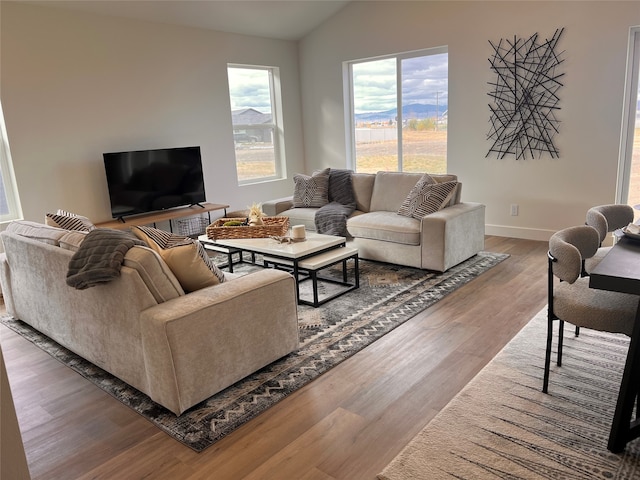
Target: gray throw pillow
(311, 191)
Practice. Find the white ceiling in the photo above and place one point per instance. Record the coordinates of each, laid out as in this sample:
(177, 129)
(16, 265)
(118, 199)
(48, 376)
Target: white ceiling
(286, 20)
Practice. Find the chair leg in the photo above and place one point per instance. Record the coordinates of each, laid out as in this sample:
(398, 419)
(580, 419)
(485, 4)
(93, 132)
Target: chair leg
(547, 359)
(560, 341)
(577, 331)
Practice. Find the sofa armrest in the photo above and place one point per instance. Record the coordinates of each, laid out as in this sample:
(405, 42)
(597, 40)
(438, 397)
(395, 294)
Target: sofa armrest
(452, 235)
(5, 284)
(275, 207)
(200, 343)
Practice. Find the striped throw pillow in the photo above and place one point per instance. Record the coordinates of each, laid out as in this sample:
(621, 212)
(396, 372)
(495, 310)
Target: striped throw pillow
(429, 198)
(69, 221)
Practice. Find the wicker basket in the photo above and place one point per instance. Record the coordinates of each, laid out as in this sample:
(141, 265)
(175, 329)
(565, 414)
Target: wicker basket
(272, 227)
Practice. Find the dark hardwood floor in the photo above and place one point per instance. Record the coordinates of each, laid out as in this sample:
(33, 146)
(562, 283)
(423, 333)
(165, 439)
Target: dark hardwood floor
(347, 424)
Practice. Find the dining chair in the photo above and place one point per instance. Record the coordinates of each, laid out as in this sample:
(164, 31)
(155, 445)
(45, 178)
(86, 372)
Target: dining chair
(572, 300)
(606, 219)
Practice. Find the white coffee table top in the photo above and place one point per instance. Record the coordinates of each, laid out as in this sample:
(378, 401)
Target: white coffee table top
(314, 242)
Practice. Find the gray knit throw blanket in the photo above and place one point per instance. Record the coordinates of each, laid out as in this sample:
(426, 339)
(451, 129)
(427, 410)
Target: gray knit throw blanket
(331, 219)
(99, 257)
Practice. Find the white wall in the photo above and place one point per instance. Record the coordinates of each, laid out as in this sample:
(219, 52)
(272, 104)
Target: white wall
(551, 193)
(76, 85)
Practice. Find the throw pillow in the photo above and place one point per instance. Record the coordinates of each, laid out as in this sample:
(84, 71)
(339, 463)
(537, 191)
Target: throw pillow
(311, 191)
(414, 197)
(186, 257)
(69, 221)
(429, 198)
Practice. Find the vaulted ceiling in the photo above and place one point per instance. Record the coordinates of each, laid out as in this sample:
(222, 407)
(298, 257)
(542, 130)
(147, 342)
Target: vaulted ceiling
(286, 20)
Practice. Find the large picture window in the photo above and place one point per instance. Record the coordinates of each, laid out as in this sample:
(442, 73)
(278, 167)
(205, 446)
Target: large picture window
(398, 112)
(257, 126)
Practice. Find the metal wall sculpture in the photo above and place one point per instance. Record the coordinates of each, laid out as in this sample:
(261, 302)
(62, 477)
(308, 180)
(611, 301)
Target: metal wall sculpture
(525, 94)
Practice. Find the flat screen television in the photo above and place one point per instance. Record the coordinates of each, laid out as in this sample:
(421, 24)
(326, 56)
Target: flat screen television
(146, 181)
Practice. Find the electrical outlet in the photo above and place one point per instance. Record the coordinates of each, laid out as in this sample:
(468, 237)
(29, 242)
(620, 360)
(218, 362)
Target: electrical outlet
(514, 209)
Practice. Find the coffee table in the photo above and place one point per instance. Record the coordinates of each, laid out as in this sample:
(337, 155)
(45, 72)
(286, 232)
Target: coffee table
(303, 258)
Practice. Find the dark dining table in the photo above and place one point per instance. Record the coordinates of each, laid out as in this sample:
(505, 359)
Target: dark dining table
(619, 271)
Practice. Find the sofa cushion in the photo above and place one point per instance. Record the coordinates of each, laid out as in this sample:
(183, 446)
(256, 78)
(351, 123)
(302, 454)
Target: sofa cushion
(385, 226)
(186, 258)
(69, 221)
(37, 231)
(362, 189)
(71, 240)
(302, 216)
(155, 273)
(390, 189)
(427, 197)
(311, 191)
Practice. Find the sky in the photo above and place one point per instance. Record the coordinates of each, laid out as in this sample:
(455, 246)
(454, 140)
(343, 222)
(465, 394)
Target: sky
(424, 80)
(250, 88)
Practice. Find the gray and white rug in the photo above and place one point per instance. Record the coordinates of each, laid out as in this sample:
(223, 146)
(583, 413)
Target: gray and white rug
(388, 296)
(501, 425)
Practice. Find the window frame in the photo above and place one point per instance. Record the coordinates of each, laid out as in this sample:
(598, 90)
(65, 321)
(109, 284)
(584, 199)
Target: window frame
(625, 160)
(349, 97)
(276, 124)
(7, 177)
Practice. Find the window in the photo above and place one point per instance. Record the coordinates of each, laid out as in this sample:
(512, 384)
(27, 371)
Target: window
(398, 112)
(629, 189)
(257, 126)
(10, 208)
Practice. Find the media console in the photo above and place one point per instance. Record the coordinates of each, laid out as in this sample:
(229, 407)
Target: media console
(163, 216)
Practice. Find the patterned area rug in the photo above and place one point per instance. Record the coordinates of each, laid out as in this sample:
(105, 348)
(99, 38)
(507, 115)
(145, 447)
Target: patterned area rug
(501, 425)
(388, 296)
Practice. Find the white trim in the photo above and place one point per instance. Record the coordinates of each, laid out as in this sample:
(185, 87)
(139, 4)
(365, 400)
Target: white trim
(519, 232)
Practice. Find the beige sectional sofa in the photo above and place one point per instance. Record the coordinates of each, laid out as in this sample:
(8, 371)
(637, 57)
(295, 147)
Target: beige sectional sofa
(178, 348)
(436, 241)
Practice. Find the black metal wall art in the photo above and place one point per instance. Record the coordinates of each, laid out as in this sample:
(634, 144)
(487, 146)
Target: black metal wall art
(525, 95)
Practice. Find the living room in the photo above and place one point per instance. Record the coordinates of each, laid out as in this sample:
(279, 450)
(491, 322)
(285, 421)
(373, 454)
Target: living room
(78, 84)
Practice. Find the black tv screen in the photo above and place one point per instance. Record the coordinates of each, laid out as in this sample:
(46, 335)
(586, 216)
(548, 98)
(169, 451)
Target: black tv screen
(150, 180)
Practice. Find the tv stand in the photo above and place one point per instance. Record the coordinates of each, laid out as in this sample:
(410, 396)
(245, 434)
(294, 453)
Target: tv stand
(162, 216)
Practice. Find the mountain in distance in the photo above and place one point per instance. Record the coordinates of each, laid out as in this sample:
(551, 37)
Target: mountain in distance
(415, 110)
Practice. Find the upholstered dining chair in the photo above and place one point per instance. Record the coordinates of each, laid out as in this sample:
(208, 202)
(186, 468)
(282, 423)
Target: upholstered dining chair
(606, 219)
(571, 300)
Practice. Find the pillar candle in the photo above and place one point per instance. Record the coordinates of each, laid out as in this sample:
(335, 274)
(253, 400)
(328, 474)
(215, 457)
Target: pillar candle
(297, 232)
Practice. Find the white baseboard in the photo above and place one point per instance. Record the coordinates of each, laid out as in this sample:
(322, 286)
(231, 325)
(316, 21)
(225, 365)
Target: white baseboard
(519, 232)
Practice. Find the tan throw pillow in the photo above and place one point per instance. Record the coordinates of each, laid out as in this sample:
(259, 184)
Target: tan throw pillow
(69, 221)
(311, 191)
(185, 256)
(427, 198)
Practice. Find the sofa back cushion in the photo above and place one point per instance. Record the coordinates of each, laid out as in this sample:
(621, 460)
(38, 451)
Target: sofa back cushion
(362, 189)
(391, 188)
(155, 273)
(37, 231)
